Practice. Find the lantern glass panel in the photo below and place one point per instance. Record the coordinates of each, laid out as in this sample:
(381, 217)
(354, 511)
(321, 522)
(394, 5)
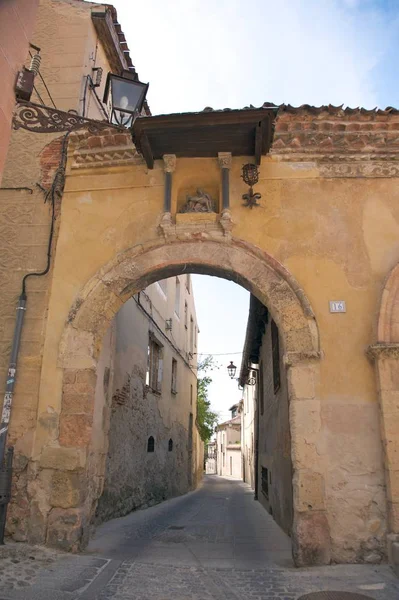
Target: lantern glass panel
(231, 369)
(250, 174)
(126, 95)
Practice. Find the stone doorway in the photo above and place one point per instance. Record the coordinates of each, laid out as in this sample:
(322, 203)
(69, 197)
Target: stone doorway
(89, 317)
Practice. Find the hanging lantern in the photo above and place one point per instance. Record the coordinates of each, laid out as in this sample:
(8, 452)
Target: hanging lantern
(250, 175)
(231, 369)
(124, 96)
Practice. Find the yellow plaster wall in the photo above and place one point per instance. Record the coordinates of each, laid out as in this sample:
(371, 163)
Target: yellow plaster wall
(332, 240)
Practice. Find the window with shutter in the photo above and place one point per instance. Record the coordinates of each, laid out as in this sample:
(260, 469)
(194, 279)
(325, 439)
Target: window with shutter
(155, 365)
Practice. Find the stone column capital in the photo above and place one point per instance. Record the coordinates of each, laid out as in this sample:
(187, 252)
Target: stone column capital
(383, 350)
(224, 159)
(169, 161)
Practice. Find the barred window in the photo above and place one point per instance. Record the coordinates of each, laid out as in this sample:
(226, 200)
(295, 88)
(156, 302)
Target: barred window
(260, 389)
(275, 357)
(174, 376)
(265, 482)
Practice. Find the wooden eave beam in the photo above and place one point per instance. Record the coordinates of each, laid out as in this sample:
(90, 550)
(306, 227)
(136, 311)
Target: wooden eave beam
(258, 142)
(146, 151)
(104, 25)
(205, 119)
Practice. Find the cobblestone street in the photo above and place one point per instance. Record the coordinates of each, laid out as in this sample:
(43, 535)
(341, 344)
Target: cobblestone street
(215, 543)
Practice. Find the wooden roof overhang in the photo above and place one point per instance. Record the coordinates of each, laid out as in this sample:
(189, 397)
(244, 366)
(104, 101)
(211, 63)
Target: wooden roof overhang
(246, 132)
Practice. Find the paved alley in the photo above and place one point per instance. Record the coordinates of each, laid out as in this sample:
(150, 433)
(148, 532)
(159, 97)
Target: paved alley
(215, 543)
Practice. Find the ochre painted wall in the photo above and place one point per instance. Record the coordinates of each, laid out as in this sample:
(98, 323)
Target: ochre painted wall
(336, 236)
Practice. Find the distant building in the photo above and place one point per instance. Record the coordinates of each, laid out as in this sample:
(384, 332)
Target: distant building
(144, 441)
(148, 365)
(210, 459)
(228, 443)
(266, 442)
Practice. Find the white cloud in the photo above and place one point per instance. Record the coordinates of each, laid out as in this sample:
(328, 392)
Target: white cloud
(233, 53)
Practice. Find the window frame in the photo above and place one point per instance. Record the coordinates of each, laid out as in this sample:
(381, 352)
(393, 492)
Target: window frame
(177, 298)
(163, 287)
(265, 481)
(173, 380)
(154, 373)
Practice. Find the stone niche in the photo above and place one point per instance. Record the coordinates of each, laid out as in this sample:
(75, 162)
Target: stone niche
(204, 186)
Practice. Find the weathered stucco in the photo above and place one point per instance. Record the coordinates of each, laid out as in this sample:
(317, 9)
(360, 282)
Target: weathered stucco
(274, 437)
(134, 477)
(329, 196)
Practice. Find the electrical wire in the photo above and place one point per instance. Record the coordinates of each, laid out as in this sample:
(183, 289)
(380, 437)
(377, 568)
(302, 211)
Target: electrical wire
(56, 189)
(44, 83)
(39, 96)
(100, 104)
(216, 353)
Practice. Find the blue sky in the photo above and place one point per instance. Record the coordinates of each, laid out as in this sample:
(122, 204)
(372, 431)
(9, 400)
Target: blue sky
(232, 53)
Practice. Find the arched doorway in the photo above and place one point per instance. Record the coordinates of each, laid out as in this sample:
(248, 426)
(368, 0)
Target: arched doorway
(87, 322)
(386, 355)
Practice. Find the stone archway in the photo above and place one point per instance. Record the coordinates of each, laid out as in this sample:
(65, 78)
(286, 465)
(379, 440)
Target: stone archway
(87, 322)
(386, 355)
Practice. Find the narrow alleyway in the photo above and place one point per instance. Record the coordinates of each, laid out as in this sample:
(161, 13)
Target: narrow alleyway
(215, 543)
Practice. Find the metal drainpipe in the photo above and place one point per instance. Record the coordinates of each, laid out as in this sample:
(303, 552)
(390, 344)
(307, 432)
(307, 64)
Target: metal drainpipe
(8, 397)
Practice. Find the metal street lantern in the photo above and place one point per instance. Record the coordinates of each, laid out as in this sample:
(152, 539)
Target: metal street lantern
(250, 174)
(124, 96)
(231, 369)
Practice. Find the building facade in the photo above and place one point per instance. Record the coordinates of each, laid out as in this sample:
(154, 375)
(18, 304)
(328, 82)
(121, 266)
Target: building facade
(228, 446)
(78, 41)
(17, 22)
(148, 369)
(247, 412)
(211, 458)
(322, 254)
(265, 417)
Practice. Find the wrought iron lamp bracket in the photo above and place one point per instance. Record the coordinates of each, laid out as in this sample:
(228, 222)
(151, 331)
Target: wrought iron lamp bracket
(251, 199)
(44, 119)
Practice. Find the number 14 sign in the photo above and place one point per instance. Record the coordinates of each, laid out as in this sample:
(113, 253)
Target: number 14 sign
(337, 306)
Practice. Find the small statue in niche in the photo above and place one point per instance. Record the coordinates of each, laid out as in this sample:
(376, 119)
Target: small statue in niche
(201, 202)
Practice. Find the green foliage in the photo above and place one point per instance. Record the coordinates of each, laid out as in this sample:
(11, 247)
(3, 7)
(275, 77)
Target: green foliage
(206, 418)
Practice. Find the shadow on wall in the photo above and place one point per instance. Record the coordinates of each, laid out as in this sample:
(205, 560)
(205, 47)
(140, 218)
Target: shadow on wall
(140, 471)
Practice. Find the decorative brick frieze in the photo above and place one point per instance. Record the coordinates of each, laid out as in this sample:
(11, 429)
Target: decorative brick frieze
(106, 148)
(328, 132)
